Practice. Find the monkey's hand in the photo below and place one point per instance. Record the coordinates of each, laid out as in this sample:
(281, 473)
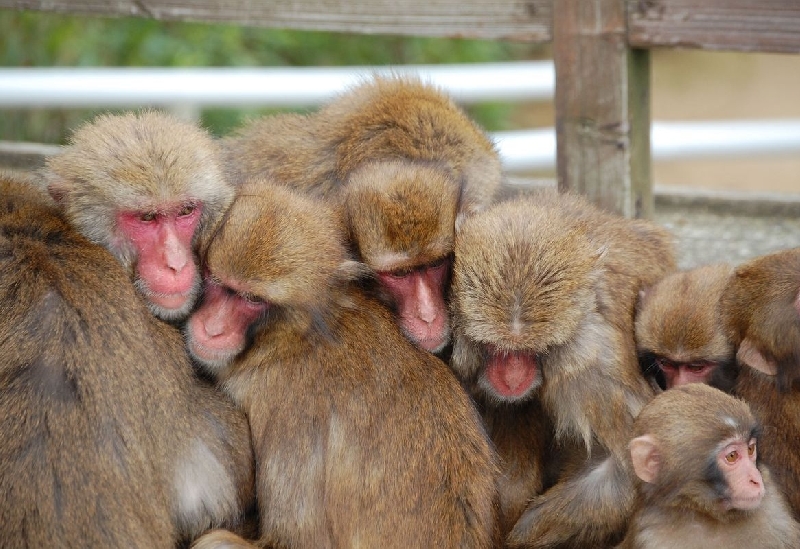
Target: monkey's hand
(589, 509)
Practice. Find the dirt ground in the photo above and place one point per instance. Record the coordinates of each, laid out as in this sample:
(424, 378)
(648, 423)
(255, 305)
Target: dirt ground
(689, 85)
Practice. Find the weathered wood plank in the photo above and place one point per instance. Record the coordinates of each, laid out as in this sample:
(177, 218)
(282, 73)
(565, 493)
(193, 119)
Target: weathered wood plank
(525, 20)
(602, 107)
(743, 25)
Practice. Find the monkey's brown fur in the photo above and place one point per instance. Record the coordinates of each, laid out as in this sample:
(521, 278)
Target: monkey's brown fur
(553, 276)
(106, 439)
(403, 159)
(360, 438)
(761, 308)
(764, 304)
(680, 510)
(381, 120)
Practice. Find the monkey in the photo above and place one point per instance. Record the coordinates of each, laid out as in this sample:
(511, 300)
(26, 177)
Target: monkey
(695, 450)
(763, 300)
(360, 437)
(680, 331)
(148, 187)
(543, 296)
(406, 164)
(106, 438)
(761, 307)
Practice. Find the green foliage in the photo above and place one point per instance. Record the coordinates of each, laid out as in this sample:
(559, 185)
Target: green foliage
(45, 39)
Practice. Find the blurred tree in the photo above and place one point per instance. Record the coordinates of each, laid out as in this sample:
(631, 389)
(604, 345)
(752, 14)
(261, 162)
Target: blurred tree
(45, 39)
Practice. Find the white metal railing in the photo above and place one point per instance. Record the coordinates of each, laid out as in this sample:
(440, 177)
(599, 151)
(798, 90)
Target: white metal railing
(522, 150)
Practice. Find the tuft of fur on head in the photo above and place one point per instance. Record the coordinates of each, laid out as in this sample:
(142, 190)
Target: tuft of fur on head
(680, 317)
(289, 249)
(394, 117)
(400, 209)
(135, 161)
(523, 277)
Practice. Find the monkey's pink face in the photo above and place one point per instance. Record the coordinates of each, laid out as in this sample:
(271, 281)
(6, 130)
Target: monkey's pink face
(681, 373)
(510, 375)
(737, 461)
(166, 272)
(419, 296)
(217, 331)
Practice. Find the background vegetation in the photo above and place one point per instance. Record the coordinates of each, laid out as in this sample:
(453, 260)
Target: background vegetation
(44, 39)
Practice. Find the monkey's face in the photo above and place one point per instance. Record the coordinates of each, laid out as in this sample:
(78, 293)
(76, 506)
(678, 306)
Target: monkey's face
(418, 296)
(401, 218)
(523, 280)
(679, 326)
(695, 446)
(277, 252)
(165, 267)
(144, 185)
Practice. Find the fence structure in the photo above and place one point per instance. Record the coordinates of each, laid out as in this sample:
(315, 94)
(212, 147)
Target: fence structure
(601, 58)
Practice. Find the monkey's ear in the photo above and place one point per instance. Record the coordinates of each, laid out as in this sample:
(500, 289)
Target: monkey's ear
(748, 355)
(58, 189)
(645, 457)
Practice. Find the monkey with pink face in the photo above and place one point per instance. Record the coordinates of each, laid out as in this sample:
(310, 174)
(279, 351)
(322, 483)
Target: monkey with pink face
(148, 187)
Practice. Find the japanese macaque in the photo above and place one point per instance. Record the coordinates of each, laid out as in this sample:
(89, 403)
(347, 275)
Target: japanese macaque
(148, 187)
(106, 438)
(681, 335)
(406, 164)
(361, 438)
(695, 450)
(543, 298)
(762, 308)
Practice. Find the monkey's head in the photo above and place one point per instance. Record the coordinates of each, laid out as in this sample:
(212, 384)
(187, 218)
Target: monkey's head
(401, 220)
(523, 281)
(696, 446)
(680, 329)
(146, 186)
(278, 258)
(762, 302)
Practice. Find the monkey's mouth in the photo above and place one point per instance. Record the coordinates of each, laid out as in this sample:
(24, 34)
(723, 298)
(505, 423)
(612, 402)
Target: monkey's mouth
(512, 374)
(171, 301)
(209, 356)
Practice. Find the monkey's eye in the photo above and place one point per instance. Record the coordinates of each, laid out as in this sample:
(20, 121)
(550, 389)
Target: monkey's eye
(250, 298)
(698, 367)
(733, 455)
(147, 216)
(442, 261)
(401, 273)
(664, 364)
(187, 209)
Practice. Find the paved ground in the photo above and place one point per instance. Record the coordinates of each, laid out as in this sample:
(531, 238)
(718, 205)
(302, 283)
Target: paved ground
(707, 237)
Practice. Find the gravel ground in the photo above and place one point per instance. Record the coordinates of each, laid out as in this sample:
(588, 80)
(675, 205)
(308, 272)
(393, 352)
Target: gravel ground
(704, 237)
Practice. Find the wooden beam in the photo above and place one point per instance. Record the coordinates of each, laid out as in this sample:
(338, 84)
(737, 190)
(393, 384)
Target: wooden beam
(524, 20)
(740, 25)
(602, 107)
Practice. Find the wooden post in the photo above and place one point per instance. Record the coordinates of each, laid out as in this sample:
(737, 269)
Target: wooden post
(602, 107)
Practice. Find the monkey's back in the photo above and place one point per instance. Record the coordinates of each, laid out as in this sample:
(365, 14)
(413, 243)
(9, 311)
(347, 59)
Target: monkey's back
(82, 430)
(362, 439)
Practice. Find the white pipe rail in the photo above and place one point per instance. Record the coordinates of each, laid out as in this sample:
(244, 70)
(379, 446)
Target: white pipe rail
(266, 87)
(534, 150)
(521, 151)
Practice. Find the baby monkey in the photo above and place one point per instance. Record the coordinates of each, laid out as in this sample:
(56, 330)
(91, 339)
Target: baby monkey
(695, 451)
